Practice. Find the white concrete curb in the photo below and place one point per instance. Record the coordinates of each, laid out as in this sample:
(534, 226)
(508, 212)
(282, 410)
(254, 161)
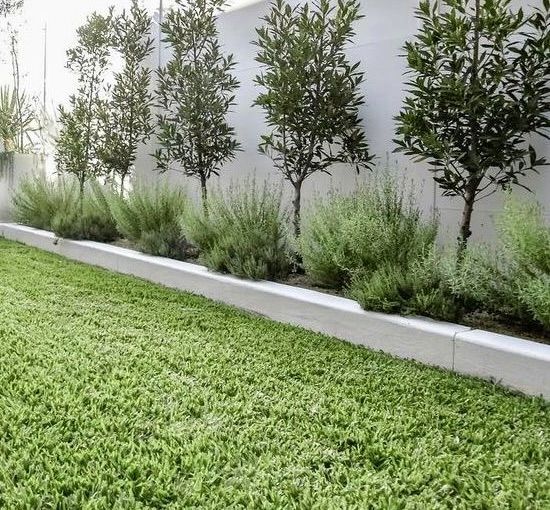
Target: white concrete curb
(513, 362)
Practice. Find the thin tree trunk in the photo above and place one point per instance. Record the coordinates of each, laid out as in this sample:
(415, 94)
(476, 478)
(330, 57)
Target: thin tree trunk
(81, 183)
(89, 117)
(204, 194)
(122, 179)
(466, 221)
(474, 171)
(297, 206)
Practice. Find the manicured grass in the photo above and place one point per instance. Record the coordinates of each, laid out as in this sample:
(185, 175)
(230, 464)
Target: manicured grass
(116, 393)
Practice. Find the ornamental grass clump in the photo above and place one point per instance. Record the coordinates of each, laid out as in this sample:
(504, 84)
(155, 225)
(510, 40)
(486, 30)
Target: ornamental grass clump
(512, 280)
(149, 218)
(243, 232)
(418, 288)
(346, 237)
(525, 241)
(38, 199)
(87, 216)
(56, 204)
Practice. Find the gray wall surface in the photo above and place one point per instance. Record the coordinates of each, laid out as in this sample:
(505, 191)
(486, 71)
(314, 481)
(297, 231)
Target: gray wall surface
(380, 36)
(13, 167)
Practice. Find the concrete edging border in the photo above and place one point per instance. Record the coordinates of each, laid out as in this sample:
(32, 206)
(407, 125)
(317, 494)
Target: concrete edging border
(513, 362)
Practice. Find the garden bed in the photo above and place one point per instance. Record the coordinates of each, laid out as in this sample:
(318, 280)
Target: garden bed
(513, 362)
(120, 393)
(480, 320)
(474, 320)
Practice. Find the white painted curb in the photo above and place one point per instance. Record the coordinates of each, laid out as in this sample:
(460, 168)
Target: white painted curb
(513, 362)
(507, 360)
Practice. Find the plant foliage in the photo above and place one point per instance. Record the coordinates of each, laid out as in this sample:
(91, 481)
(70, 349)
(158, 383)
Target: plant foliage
(311, 93)
(177, 401)
(79, 139)
(377, 225)
(87, 217)
(56, 204)
(7, 7)
(525, 237)
(479, 87)
(243, 232)
(18, 120)
(418, 288)
(10, 11)
(127, 117)
(511, 281)
(149, 218)
(196, 90)
(38, 199)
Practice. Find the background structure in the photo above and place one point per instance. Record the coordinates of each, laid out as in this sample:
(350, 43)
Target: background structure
(378, 45)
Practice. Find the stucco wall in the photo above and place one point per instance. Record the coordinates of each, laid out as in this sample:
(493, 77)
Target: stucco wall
(380, 36)
(13, 167)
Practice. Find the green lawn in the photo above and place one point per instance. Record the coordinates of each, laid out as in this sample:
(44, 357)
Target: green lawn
(116, 393)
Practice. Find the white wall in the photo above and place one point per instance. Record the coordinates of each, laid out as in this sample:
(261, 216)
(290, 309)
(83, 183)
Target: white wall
(380, 37)
(13, 168)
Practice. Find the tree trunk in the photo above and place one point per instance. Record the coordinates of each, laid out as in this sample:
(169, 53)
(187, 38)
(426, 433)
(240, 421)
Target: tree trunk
(81, 183)
(297, 206)
(465, 223)
(474, 181)
(204, 195)
(122, 179)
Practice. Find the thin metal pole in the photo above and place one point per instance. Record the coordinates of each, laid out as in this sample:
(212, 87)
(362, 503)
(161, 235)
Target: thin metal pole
(161, 15)
(45, 64)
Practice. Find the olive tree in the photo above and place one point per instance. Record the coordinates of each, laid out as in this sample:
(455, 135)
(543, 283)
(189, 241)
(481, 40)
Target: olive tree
(79, 139)
(311, 95)
(196, 90)
(478, 89)
(127, 116)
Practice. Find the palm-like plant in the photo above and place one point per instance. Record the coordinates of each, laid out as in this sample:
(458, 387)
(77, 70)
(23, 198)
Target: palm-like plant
(17, 120)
